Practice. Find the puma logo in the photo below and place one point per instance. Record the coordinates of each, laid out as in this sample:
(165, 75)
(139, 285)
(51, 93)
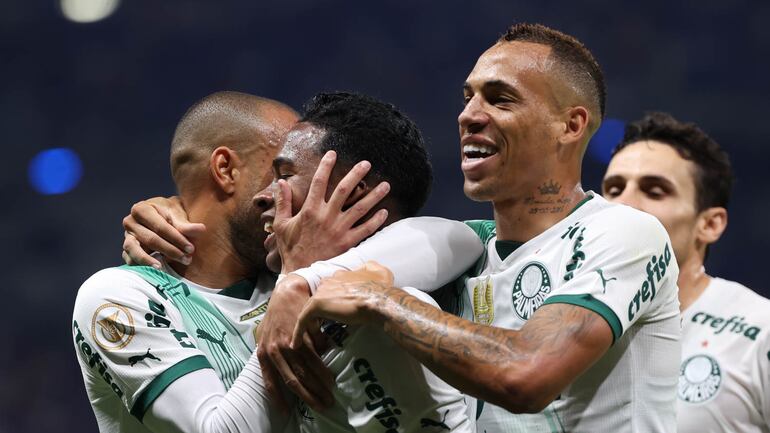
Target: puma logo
(139, 358)
(427, 422)
(604, 280)
(208, 337)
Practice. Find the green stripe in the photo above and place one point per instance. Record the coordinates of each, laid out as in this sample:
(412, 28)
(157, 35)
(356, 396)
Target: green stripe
(593, 304)
(162, 381)
(589, 196)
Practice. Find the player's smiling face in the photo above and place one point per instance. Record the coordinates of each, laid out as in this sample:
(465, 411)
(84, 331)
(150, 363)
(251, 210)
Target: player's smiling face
(651, 176)
(509, 124)
(296, 163)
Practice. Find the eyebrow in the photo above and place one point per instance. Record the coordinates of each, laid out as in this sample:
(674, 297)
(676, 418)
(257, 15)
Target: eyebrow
(281, 161)
(644, 179)
(495, 85)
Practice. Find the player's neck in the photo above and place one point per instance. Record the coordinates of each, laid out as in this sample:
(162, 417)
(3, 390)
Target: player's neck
(692, 281)
(215, 263)
(522, 218)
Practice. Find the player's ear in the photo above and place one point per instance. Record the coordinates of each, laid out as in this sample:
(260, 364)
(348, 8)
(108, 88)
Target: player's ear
(224, 167)
(710, 225)
(362, 188)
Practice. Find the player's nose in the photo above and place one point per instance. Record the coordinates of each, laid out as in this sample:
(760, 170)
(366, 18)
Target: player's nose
(473, 118)
(264, 199)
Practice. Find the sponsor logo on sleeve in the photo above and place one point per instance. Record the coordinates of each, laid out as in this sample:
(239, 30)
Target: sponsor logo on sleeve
(532, 286)
(94, 360)
(112, 326)
(699, 379)
(575, 262)
(655, 270)
(385, 408)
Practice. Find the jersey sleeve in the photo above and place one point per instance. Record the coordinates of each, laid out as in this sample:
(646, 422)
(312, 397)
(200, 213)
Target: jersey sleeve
(422, 252)
(762, 377)
(621, 266)
(130, 336)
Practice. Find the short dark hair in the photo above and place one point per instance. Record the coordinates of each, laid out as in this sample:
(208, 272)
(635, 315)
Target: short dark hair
(577, 60)
(713, 176)
(359, 127)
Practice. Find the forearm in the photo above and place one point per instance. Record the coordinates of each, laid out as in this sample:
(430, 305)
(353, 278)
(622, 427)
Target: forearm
(495, 364)
(198, 402)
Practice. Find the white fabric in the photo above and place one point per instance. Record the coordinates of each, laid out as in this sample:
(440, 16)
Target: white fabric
(381, 388)
(724, 382)
(422, 252)
(149, 324)
(610, 259)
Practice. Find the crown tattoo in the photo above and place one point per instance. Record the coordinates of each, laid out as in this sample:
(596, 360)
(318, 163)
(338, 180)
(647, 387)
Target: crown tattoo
(549, 188)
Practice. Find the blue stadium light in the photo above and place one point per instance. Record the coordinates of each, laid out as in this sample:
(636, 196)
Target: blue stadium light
(55, 171)
(606, 138)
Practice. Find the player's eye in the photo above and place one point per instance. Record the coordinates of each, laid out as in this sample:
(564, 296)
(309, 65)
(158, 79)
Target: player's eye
(655, 192)
(612, 190)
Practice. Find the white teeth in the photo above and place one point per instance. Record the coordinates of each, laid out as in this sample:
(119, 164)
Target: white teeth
(269, 227)
(478, 148)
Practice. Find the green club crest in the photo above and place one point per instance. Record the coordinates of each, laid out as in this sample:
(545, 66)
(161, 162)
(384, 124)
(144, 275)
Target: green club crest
(530, 289)
(699, 379)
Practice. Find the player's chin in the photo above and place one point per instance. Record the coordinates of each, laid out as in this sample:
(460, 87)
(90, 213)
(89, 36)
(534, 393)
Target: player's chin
(273, 261)
(478, 190)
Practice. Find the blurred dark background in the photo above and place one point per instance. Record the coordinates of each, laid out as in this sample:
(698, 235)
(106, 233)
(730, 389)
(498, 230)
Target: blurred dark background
(108, 94)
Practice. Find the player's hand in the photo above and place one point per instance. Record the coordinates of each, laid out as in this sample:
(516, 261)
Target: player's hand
(301, 369)
(159, 224)
(350, 297)
(324, 229)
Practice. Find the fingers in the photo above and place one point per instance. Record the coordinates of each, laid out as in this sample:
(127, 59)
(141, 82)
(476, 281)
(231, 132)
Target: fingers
(150, 240)
(154, 232)
(364, 205)
(272, 379)
(317, 192)
(304, 320)
(357, 234)
(134, 254)
(348, 184)
(307, 388)
(282, 199)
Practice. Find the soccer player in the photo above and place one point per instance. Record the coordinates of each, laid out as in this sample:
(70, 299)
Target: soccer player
(170, 349)
(367, 396)
(677, 173)
(572, 315)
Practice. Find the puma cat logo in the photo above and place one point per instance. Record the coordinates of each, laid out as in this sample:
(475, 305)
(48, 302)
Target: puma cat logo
(220, 341)
(604, 280)
(139, 358)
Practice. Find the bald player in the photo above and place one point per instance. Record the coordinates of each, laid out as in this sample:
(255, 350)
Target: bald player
(677, 173)
(170, 348)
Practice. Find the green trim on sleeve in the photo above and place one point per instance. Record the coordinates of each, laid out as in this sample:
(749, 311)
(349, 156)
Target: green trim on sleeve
(160, 383)
(485, 229)
(593, 304)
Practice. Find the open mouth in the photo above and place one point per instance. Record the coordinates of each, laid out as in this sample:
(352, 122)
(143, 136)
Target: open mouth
(475, 152)
(269, 227)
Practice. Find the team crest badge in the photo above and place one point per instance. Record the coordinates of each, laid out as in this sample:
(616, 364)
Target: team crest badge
(530, 289)
(112, 326)
(699, 379)
(483, 305)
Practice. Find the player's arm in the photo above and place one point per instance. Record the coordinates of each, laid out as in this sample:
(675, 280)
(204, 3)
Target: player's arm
(521, 371)
(127, 335)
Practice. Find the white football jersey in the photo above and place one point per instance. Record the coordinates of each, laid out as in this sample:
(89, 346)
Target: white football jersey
(381, 388)
(724, 379)
(616, 262)
(137, 330)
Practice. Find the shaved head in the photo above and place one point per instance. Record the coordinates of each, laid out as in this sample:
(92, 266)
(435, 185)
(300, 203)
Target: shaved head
(242, 122)
(574, 64)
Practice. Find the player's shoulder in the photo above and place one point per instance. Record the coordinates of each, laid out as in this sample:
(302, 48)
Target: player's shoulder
(484, 229)
(117, 285)
(620, 220)
(752, 305)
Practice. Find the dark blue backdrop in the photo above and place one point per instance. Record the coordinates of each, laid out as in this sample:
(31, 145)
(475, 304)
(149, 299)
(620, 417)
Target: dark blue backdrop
(113, 90)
